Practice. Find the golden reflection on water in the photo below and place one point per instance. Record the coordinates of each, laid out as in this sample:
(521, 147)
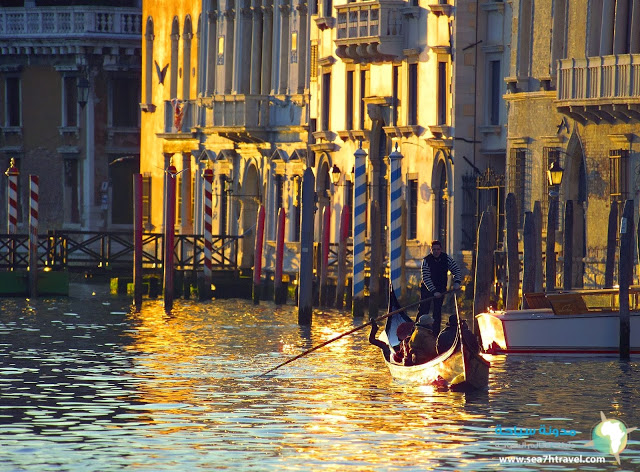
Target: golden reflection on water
(182, 391)
(201, 363)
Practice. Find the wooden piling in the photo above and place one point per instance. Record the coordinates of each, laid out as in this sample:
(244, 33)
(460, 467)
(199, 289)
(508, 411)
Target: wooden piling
(529, 257)
(324, 255)
(279, 289)
(34, 197)
(567, 250)
(550, 246)
(137, 241)
(305, 287)
(375, 261)
(625, 276)
(537, 250)
(207, 272)
(513, 263)
(484, 263)
(612, 244)
(169, 224)
(345, 222)
(257, 259)
(359, 230)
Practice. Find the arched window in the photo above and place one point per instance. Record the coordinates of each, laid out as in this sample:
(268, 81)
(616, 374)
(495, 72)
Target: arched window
(175, 37)
(442, 202)
(524, 38)
(187, 35)
(148, 62)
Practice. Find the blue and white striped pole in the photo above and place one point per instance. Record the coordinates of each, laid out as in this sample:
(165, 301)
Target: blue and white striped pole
(359, 227)
(395, 233)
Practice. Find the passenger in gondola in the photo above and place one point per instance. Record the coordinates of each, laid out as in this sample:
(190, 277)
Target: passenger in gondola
(422, 345)
(386, 352)
(447, 336)
(403, 333)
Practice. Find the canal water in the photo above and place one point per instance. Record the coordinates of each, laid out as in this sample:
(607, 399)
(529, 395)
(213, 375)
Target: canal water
(87, 384)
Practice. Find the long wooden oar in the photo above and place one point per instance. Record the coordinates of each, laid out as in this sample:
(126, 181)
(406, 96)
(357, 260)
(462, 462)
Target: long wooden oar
(379, 318)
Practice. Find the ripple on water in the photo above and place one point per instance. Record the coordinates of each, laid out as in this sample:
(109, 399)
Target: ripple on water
(101, 387)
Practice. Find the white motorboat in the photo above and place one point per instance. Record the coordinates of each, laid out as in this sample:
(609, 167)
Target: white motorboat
(577, 322)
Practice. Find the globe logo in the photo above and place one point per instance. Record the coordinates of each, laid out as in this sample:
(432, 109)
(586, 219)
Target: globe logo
(610, 436)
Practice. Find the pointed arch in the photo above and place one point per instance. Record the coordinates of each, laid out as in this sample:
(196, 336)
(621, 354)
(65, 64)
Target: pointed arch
(440, 186)
(574, 184)
(175, 38)
(148, 61)
(187, 36)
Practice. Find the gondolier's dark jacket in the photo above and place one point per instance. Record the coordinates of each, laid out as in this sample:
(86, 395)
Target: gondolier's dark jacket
(434, 272)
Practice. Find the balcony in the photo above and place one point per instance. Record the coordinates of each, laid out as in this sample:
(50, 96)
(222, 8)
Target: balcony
(173, 123)
(371, 31)
(241, 118)
(605, 88)
(21, 28)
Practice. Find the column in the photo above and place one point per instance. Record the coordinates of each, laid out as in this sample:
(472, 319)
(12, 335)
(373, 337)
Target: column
(212, 52)
(395, 207)
(285, 11)
(267, 57)
(606, 31)
(256, 48)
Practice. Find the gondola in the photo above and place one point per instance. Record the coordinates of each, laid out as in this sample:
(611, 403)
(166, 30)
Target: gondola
(458, 369)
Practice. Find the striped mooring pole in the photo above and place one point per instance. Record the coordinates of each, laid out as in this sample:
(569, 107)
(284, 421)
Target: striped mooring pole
(12, 211)
(395, 239)
(33, 235)
(359, 226)
(207, 175)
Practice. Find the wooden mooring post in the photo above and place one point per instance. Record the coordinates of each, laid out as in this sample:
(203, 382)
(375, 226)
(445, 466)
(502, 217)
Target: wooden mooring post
(567, 250)
(537, 243)
(484, 264)
(137, 241)
(513, 262)
(345, 221)
(279, 289)
(169, 224)
(305, 287)
(324, 256)
(257, 262)
(529, 257)
(34, 196)
(611, 245)
(376, 261)
(550, 245)
(625, 276)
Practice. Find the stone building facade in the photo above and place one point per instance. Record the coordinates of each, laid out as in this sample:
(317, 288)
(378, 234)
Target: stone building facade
(573, 97)
(84, 153)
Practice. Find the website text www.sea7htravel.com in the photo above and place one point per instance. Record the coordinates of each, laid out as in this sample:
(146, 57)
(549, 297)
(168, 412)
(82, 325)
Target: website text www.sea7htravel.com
(552, 459)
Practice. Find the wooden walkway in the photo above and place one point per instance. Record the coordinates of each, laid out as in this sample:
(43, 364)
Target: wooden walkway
(112, 251)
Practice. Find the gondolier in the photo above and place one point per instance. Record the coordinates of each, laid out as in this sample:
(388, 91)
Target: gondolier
(435, 269)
